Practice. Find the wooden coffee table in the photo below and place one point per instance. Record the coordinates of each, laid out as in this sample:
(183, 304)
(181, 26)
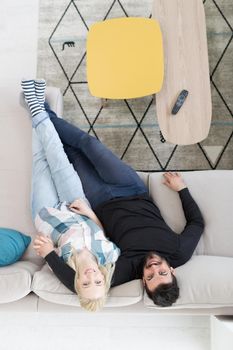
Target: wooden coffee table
(182, 23)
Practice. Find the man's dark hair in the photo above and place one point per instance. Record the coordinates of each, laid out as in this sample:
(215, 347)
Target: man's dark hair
(164, 294)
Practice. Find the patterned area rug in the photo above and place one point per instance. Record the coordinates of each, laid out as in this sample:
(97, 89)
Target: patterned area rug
(129, 127)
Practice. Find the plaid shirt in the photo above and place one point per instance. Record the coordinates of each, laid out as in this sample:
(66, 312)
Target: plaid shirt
(70, 230)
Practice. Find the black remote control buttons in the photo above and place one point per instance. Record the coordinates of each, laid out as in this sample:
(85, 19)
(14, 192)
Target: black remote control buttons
(179, 102)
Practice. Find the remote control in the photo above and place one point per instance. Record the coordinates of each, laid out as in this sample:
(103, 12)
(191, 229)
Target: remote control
(179, 102)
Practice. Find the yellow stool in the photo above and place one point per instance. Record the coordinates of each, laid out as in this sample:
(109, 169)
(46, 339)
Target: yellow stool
(125, 58)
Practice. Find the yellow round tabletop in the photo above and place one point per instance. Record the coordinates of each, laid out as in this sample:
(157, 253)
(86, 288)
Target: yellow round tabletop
(125, 58)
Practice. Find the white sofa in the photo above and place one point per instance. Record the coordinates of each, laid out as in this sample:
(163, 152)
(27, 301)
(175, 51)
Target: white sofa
(206, 283)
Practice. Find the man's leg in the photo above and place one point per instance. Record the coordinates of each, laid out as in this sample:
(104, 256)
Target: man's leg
(110, 168)
(96, 190)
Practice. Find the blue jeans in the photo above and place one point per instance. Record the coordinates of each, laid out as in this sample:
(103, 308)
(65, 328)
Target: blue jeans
(54, 179)
(103, 175)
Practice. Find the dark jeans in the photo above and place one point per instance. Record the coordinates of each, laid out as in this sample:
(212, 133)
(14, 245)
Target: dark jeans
(103, 175)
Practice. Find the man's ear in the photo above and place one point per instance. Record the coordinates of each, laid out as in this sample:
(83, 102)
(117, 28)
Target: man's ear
(143, 281)
(172, 270)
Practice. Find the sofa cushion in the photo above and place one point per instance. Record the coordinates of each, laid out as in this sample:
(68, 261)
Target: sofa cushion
(47, 286)
(12, 245)
(15, 280)
(15, 169)
(15, 177)
(205, 282)
(213, 192)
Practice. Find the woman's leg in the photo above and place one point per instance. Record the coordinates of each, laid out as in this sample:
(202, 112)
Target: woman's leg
(43, 192)
(66, 180)
(110, 168)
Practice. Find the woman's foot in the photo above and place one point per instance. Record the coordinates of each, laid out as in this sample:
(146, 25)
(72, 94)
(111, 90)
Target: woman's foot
(30, 97)
(40, 85)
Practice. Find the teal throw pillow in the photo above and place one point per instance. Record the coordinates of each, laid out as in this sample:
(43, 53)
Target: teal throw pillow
(12, 245)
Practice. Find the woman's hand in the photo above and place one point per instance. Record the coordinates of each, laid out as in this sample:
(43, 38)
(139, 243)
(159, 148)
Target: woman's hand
(79, 206)
(43, 245)
(174, 181)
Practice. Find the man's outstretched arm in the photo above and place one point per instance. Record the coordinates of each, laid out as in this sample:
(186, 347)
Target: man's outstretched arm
(191, 210)
(189, 237)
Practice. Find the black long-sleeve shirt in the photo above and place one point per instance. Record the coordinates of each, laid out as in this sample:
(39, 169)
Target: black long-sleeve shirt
(136, 226)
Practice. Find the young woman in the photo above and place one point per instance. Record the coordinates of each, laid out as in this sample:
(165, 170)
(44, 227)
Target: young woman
(62, 214)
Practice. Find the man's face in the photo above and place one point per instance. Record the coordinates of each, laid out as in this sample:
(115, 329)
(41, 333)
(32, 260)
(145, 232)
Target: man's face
(156, 271)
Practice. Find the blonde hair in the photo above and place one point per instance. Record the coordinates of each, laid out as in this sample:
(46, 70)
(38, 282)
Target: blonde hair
(87, 303)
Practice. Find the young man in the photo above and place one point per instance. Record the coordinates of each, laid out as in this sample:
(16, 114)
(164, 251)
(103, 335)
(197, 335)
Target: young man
(149, 248)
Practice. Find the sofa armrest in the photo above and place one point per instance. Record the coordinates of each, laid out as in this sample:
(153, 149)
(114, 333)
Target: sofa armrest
(55, 99)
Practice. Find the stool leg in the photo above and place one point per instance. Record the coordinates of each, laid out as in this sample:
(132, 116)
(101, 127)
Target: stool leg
(104, 102)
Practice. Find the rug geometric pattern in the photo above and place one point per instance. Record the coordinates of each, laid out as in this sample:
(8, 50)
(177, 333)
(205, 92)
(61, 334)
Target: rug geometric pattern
(130, 127)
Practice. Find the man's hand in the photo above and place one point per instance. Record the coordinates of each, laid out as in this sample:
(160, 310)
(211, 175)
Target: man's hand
(174, 181)
(43, 245)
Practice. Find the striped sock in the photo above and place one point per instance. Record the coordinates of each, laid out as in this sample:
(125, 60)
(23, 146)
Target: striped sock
(30, 97)
(40, 86)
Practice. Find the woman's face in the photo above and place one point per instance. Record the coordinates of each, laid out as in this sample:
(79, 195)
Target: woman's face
(91, 283)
